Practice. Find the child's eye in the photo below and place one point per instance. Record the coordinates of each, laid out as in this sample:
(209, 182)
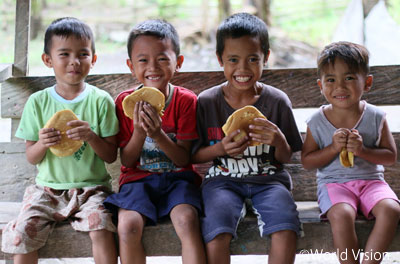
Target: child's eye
(233, 60)
(330, 80)
(163, 59)
(84, 54)
(254, 59)
(142, 60)
(63, 54)
(349, 78)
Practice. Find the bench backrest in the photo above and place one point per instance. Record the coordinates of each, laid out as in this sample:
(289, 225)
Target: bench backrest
(299, 84)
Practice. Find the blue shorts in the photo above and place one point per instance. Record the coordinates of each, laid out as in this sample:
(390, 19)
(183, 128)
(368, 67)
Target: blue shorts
(156, 195)
(225, 205)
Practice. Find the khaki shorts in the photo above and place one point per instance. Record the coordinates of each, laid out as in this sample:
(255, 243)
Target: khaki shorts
(43, 207)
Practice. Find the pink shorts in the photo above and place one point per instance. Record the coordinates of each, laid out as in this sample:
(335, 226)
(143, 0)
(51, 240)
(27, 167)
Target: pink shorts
(362, 195)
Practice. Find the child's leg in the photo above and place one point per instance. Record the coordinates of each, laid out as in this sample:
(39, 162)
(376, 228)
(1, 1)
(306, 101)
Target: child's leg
(218, 249)
(130, 231)
(29, 258)
(185, 219)
(224, 206)
(103, 247)
(387, 214)
(283, 247)
(342, 217)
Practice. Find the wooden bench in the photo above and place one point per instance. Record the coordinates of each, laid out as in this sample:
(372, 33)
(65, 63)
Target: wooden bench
(161, 240)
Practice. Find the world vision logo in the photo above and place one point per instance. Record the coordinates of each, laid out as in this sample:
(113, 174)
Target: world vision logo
(79, 153)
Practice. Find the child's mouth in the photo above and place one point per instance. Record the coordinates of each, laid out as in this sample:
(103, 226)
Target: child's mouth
(242, 79)
(153, 78)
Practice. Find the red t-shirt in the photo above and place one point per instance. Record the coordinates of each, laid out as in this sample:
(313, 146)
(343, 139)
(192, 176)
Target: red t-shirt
(178, 122)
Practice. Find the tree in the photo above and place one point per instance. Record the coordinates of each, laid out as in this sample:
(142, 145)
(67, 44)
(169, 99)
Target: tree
(224, 9)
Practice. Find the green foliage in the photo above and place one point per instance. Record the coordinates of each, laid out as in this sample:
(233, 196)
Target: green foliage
(312, 22)
(394, 10)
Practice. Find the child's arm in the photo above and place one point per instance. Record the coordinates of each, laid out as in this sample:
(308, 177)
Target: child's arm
(312, 157)
(36, 150)
(227, 146)
(178, 152)
(385, 154)
(273, 136)
(105, 148)
(130, 153)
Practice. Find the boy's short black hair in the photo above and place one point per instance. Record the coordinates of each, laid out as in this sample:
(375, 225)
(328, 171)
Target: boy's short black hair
(65, 27)
(356, 56)
(239, 25)
(157, 28)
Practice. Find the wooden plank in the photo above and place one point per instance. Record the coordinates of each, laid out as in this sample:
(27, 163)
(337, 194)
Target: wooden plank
(22, 29)
(65, 242)
(299, 84)
(17, 173)
(5, 71)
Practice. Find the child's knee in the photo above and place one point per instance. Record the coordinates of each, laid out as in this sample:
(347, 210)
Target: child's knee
(100, 235)
(130, 224)
(284, 235)
(342, 212)
(387, 208)
(220, 240)
(185, 218)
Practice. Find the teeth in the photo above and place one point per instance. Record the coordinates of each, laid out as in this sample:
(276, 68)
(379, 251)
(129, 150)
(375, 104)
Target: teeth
(242, 78)
(153, 78)
(341, 97)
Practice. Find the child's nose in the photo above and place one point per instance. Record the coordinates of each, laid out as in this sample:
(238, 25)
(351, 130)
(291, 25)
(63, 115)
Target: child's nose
(74, 60)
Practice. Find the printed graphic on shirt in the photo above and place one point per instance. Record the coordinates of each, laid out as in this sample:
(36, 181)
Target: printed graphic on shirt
(78, 154)
(254, 161)
(153, 159)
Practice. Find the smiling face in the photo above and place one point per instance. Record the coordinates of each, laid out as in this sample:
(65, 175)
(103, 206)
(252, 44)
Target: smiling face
(71, 58)
(341, 87)
(243, 62)
(153, 61)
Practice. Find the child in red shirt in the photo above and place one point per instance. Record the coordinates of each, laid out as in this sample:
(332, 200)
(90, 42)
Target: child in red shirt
(157, 178)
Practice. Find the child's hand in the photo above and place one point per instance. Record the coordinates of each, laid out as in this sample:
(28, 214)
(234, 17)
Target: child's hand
(137, 120)
(354, 142)
(267, 132)
(339, 139)
(234, 148)
(81, 130)
(49, 137)
(151, 121)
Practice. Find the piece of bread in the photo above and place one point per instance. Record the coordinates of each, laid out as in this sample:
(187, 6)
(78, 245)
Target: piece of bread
(346, 158)
(151, 95)
(59, 122)
(241, 119)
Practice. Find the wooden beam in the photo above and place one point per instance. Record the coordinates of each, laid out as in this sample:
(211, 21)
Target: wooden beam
(22, 29)
(5, 71)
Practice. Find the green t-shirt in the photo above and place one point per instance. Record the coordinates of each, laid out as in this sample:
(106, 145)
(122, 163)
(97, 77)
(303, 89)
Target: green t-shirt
(84, 168)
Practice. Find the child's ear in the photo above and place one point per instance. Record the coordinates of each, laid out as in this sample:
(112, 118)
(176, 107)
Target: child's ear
(319, 85)
(94, 59)
(221, 63)
(266, 57)
(47, 60)
(130, 66)
(368, 82)
(179, 62)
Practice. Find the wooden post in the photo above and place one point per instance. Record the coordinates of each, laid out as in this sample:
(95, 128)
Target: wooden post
(22, 29)
(368, 5)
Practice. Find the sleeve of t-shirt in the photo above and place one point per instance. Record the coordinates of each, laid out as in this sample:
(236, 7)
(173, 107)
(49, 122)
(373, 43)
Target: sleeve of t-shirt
(29, 125)
(108, 122)
(186, 129)
(125, 123)
(288, 126)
